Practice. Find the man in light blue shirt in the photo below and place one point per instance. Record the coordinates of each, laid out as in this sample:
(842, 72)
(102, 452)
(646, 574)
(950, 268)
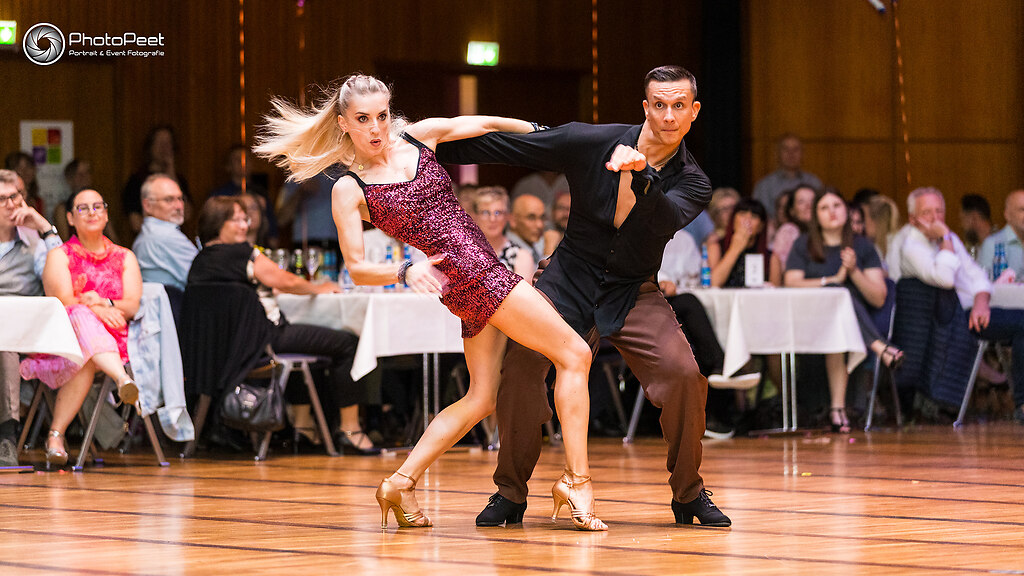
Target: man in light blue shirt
(165, 254)
(25, 238)
(789, 175)
(1011, 237)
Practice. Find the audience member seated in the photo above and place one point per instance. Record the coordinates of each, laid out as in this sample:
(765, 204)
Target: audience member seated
(744, 236)
(227, 257)
(975, 221)
(163, 251)
(159, 151)
(789, 175)
(240, 179)
(559, 221)
(25, 237)
(1010, 237)
(937, 257)
(543, 185)
(526, 228)
(77, 177)
(830, 255)
(856, 212)
(680, 269)
(491, 215)
(466, 195)
(25, 166)
(723, 202)
(797, 206)
(881, 221)
(100, 284)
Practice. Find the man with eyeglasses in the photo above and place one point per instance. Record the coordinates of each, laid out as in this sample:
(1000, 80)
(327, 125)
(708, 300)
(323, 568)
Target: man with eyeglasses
(526, 226)
(165, 254)
(25, 238)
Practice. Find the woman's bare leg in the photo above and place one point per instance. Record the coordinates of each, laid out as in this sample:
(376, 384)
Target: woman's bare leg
(484, 353)
(526, 317)
(69, 401)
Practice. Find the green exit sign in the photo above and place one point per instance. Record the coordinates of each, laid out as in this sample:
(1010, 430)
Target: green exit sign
(8, 32)
(482, 54)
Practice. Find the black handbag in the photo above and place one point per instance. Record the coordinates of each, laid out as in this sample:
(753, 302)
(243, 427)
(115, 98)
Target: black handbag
(254, 408)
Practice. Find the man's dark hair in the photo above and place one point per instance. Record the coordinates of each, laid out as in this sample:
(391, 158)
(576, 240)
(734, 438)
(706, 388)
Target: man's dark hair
(71, 168)
(863, 195)
(976, 203)
(670, 74)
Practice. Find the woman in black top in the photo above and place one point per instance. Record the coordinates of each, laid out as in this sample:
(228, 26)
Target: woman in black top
(227, 257)
(831, 255)
(745, 234)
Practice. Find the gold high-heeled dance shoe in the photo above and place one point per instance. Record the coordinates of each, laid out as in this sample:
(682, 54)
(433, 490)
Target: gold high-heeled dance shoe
(391, 497)
(128, 392)
(59, 457)
(561, 492)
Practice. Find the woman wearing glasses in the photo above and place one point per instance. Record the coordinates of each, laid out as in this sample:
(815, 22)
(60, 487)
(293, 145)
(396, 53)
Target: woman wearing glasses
(227, 257)
(100, 285)
(490, 212)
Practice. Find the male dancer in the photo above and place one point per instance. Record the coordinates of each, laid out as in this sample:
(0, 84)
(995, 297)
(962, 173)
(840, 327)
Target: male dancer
(632, 188)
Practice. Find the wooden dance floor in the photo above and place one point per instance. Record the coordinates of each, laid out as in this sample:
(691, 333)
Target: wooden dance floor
(929, 501)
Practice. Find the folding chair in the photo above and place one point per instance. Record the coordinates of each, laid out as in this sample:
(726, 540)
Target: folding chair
(890, 303)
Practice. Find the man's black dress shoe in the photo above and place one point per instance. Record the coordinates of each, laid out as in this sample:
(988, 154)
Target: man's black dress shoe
(703, 508)
(501, 510)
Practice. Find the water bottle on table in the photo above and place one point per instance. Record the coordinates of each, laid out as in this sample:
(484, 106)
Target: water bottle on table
(705, 268)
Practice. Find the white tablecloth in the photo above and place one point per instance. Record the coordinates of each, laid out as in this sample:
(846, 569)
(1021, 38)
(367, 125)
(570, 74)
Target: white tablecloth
(37, 325)
(388, 323)
(1007, 296)
(782, 320)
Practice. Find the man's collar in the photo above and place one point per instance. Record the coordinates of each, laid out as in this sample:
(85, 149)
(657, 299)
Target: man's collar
(153, 221)
(632, 139)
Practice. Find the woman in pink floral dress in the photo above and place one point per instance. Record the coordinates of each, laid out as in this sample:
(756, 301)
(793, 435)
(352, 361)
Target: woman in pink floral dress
(100, 285)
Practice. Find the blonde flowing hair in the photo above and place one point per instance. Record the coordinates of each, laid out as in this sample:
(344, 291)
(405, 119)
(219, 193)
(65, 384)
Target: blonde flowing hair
(307, 141)
(886, 215)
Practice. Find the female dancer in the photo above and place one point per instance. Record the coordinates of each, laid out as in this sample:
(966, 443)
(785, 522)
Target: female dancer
(394, 181)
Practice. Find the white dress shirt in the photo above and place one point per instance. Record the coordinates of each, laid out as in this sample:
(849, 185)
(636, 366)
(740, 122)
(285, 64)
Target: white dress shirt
(922, 259)
(681, 262)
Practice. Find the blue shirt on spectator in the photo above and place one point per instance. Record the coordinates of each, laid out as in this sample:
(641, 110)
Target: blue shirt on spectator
(165, 254)
(1014, 251)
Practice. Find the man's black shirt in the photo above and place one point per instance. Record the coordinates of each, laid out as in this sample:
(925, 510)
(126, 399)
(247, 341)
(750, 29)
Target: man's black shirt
(596, 271)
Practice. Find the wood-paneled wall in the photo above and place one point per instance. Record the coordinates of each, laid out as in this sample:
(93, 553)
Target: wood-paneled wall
(827, 71)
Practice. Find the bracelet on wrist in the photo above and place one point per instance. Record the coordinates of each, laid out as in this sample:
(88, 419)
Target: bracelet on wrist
(110, 302)
(403, 269)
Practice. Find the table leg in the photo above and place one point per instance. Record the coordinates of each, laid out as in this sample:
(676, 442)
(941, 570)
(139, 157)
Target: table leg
(792, 390)
(785, 395)
(426, 391)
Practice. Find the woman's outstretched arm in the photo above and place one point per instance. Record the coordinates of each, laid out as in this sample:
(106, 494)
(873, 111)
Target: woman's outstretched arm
(433, 131)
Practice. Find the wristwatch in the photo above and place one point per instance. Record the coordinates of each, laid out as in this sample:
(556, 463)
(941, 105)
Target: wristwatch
(47, 233)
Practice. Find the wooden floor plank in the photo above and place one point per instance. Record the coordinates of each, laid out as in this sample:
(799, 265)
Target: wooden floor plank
(929, 501)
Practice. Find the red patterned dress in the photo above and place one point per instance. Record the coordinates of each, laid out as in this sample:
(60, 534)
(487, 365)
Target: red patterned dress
(100, 272)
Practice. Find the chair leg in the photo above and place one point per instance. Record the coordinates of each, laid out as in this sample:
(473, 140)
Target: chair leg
(982, 346)
(90, 430)
(261, 455)
(874, 393)
(634, 421)
(318, 410)
(37, 397)
(197, 423)
(613, 386)
(154, 440)
(553, 436)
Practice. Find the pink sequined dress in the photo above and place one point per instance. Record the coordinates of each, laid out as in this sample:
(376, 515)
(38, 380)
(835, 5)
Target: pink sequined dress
(424, 213)
(101, 273)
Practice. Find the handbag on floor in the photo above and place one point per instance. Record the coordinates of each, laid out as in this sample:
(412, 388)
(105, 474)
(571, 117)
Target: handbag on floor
(254, 408)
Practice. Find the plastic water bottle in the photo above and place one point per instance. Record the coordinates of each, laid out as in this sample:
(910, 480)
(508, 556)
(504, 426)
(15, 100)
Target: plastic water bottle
(999, 261)
(346, 280)
(705, 268)
(330, 269)
(389, 258)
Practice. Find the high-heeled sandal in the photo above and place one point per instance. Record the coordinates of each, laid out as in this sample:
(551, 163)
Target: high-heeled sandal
(843, 426)
(56, 458)
(561, 492)
(128, 392)
(349, 441)
(894, 355)
(391, 497)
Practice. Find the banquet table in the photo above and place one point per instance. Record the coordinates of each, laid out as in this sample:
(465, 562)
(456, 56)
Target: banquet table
(784, 321)
(37, 324)
(388, 324)
(1007, 296)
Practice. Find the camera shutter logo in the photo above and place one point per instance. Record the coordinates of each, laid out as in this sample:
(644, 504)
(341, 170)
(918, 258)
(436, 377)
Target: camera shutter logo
(43, 44)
